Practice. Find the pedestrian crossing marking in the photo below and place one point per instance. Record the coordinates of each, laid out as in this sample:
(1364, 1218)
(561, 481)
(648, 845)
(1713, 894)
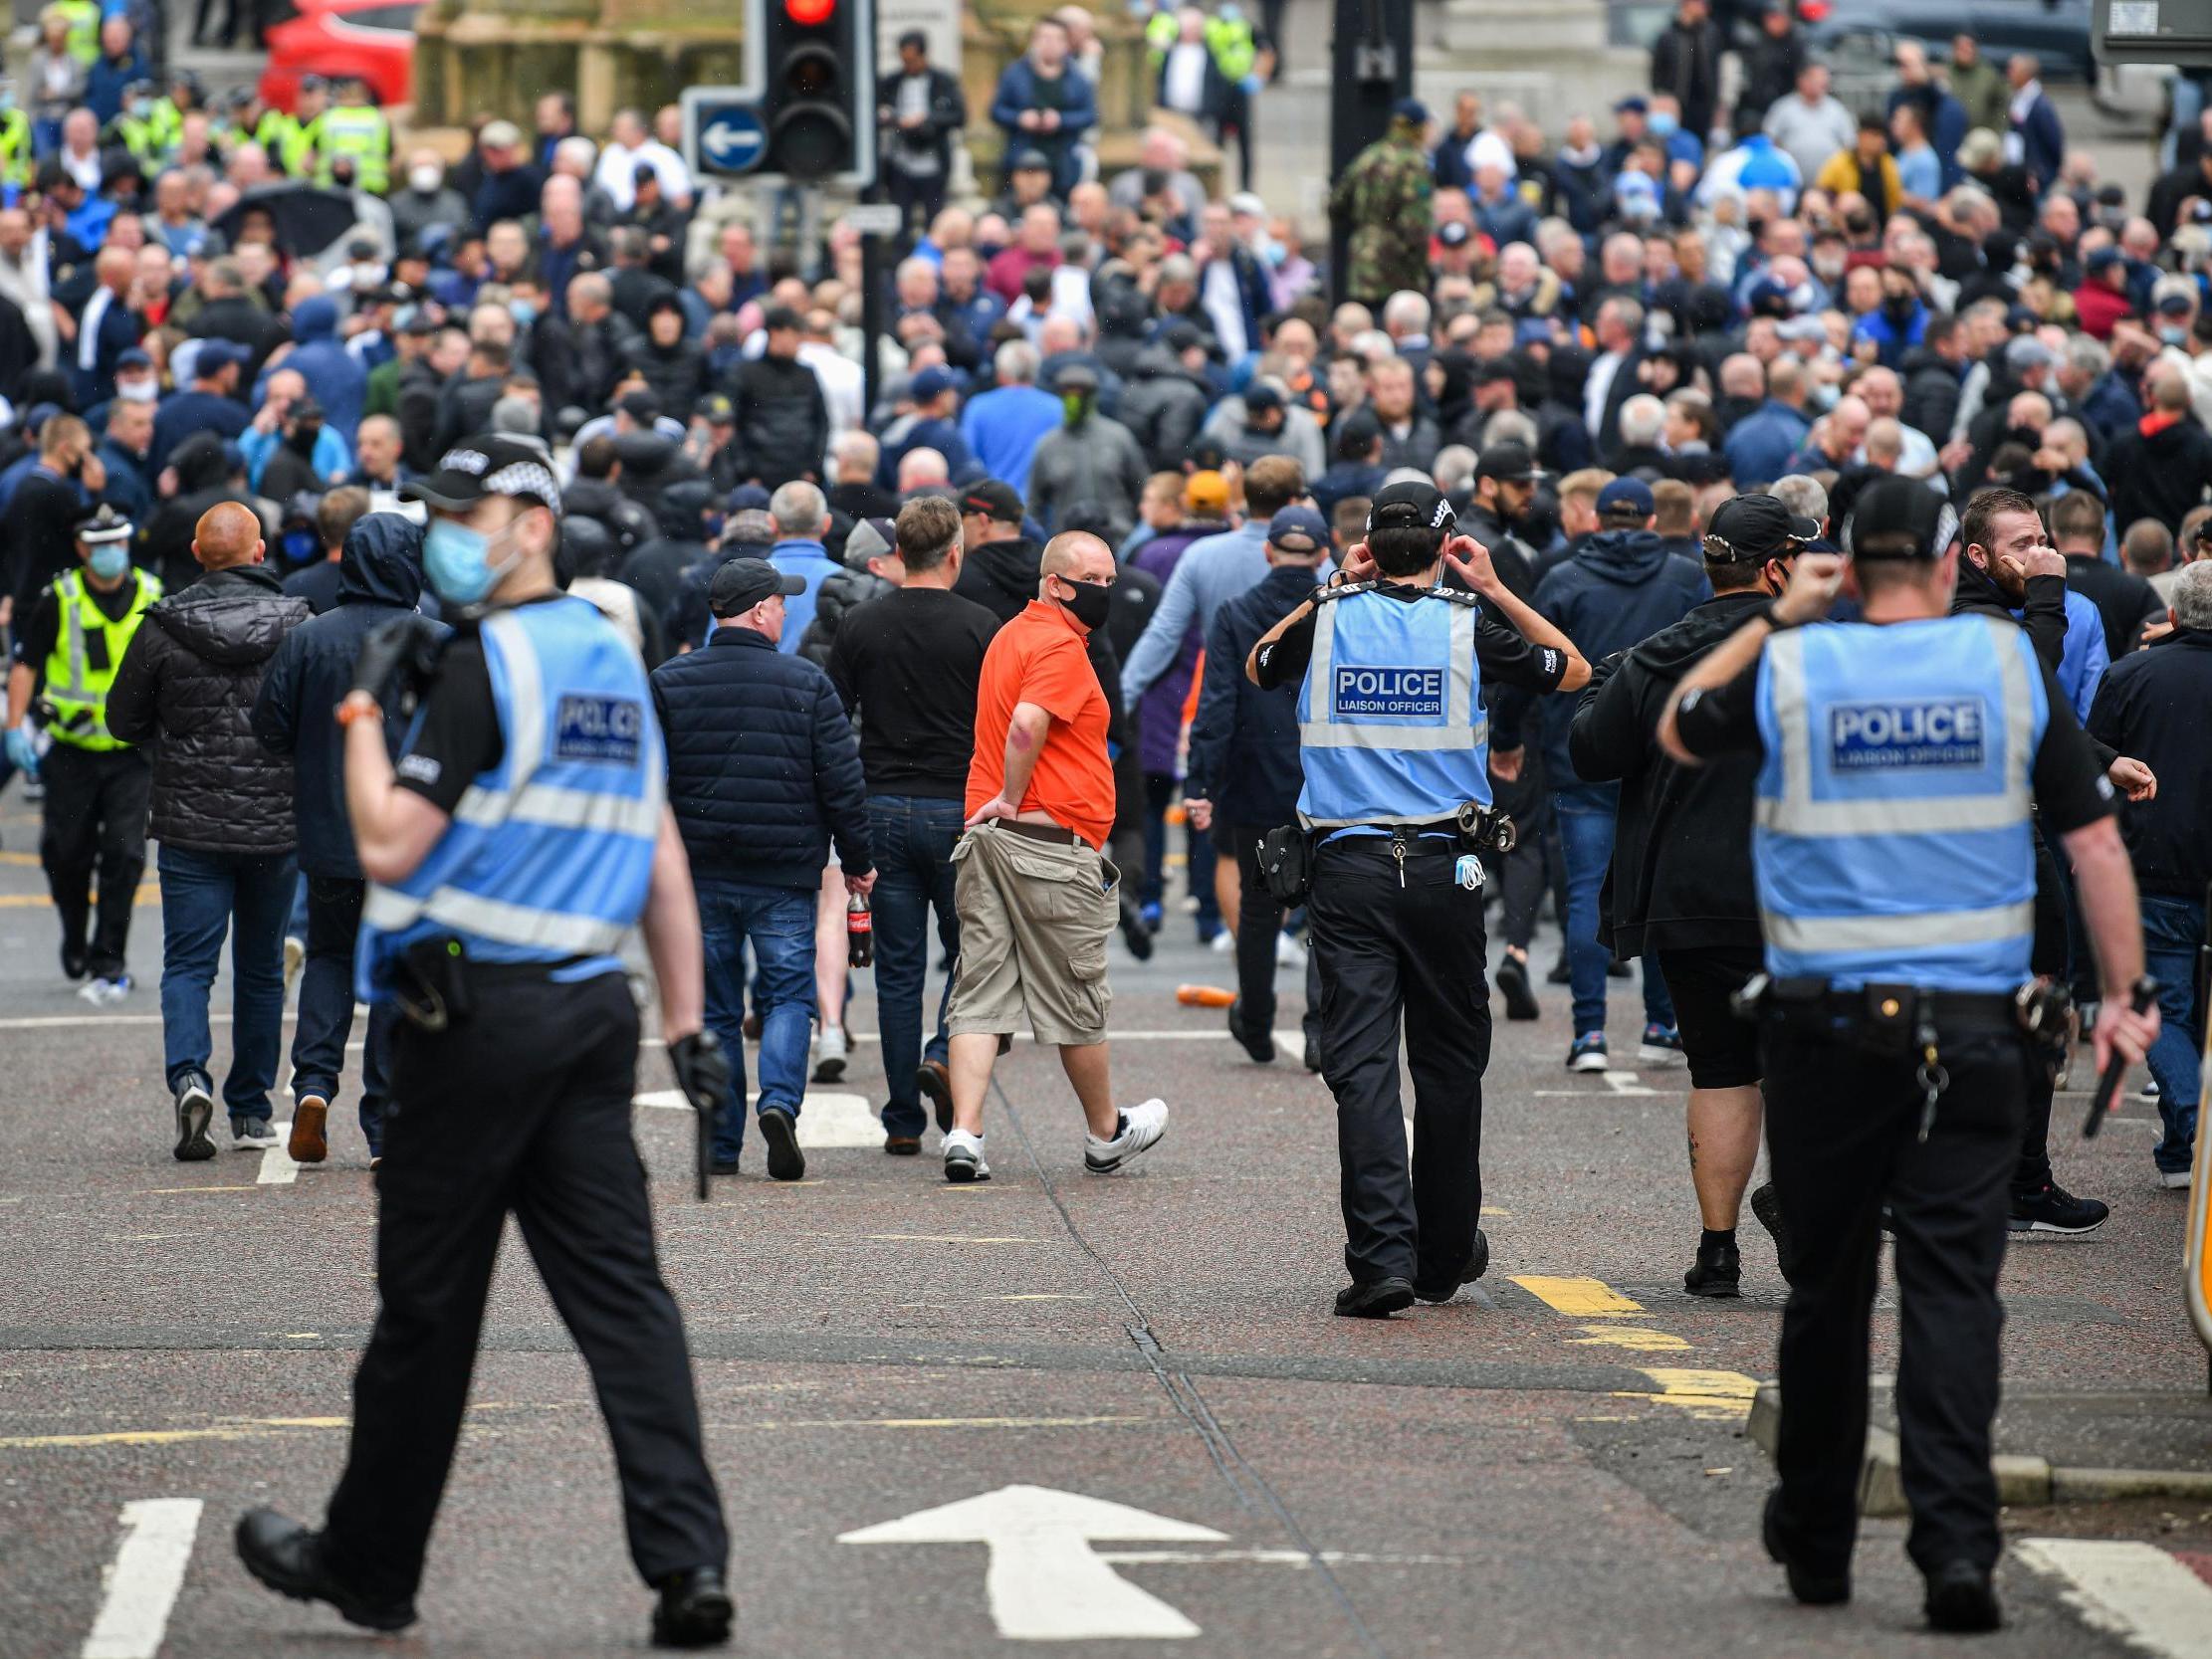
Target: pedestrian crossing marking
(1631, 1337)
(2138, 1591)
(142, 1584)
(277, 1168)
(1576, 1296)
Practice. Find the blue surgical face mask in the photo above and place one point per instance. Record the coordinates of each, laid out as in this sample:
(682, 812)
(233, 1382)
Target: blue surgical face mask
(524, 312)
(458, 561)
(2174, 337)
(109, 561)
(1662, 123)
(301, 545)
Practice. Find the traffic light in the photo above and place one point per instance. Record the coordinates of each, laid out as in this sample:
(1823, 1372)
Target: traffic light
(817, 80)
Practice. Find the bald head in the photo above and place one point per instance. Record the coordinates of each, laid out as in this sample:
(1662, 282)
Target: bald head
(1077, 554)
(227, 534)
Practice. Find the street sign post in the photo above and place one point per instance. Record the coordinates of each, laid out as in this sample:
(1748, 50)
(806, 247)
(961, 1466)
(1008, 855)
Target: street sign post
(723, 131)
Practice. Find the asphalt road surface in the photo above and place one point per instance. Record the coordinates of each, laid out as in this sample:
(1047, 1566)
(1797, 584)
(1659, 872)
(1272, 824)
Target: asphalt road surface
(948, 1420)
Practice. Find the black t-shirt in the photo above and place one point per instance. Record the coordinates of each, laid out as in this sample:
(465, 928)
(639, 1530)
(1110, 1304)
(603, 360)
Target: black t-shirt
(34, 641)
(909, 662)
(1503, 655)
(2071, 789)
(457, 737)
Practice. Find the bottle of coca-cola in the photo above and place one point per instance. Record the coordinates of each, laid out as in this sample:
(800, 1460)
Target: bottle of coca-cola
(860, 931)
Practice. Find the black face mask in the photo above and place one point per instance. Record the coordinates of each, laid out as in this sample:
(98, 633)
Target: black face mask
(1092, 603)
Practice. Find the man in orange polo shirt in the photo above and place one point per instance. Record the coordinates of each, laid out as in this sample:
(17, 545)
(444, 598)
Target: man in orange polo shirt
(1035, 895)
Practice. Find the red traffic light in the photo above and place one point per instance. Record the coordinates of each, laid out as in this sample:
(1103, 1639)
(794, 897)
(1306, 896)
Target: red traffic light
(809, 13)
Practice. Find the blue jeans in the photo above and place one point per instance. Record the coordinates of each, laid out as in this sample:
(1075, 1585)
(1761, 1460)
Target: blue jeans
(1585, 820)
(326, 1007)
(779, 923)
(205, 896)
(913, 837)
(2174, 929)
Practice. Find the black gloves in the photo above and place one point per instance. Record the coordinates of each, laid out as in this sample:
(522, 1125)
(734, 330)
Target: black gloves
(404, 650)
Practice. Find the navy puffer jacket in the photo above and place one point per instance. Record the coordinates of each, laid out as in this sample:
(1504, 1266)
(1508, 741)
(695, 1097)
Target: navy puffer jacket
(763, 765)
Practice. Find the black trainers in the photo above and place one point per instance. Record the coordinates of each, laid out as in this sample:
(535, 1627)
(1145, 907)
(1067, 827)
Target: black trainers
(1513, 984)
(1478, 1264)
(1960, 1599)
(1717, 1271)
(786, 1161)
(1261, 1045)
(288, 1557)
(694, 1610)
(1560, 974)
(1766, 1208)
(1379, 1300)
(1134, 931)
(1813, 1589)
(75, 961)
(2053, 1210)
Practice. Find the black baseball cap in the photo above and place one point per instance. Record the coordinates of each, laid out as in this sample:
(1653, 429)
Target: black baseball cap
(743, 583)
(992, 498)
(1508, 463)
(1750, 529)
(1899, 517)
(490, 464)
(1410, 505)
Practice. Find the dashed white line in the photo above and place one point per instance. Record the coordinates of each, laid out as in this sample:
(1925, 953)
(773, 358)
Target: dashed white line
(2136, 1591)
(142, 1583)
(277, 1168)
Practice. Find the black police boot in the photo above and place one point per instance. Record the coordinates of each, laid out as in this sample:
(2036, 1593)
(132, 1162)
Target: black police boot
(1812, 1588)
(1766, 1206)
(1261, 1045)
(1379, 1300)
(1478, 1263)
(1313, 1054)
(1718, 1269)
(695, 1610)
(1961, 1598)
(288, 1557)
(1561, 973)
(75, 960)
(1513, 984)
(2049, 1208)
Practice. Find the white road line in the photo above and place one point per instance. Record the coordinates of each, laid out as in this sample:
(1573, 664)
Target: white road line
(277, 1168)
(825, 1119)
(2138, 1591)
(143, 1581)
(1627, 1083)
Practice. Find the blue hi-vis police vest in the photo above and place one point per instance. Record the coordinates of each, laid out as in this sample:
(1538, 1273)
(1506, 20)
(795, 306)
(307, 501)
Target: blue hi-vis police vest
(551, 852)
(1892, 837)
(1391, 726)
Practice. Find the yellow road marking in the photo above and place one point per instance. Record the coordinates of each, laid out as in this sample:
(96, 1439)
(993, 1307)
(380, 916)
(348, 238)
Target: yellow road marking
(267, 1428)
(146, 894)
(1631, 1336)
(1579, 1297)
(1709, 1394)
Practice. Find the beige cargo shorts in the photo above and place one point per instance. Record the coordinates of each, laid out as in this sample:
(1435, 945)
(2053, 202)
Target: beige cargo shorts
(1034, 920)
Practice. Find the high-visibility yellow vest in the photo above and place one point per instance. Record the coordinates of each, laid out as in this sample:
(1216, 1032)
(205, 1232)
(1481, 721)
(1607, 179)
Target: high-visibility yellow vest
(1232, 46)
(16, 164)
(285, 139)
(88, 649)
(84, 29)
(357, 131)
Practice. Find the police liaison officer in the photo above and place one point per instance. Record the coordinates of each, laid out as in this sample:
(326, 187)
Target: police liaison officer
(1892, 852)
(1395, 742)
(523, 831)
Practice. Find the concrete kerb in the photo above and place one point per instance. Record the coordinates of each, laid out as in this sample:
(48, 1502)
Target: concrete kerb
(2022, 1482)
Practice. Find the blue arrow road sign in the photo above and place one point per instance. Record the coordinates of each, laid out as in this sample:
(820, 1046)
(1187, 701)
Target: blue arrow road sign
(731, 138)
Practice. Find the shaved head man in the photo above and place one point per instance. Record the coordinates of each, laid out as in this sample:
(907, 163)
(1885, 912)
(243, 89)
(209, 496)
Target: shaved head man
(227, 534)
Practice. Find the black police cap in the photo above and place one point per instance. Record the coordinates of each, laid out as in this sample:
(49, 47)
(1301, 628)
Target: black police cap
(1750, 529)
(1900, 517)
(1410, 505)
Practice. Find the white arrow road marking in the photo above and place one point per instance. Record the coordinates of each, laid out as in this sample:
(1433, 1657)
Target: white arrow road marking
(1045, 1584)
(1627, 1083)
(142, 1583)
(825, 1120)
(2135, 1590)
(277, 1168)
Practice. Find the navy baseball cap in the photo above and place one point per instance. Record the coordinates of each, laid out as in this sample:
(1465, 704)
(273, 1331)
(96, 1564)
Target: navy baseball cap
(1298, 529)
(1626, 498)
(1409, 110)
(933, 383)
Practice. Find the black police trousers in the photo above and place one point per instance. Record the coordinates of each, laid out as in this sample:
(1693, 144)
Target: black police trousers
(95, 819)
(1417, 949)
(1842, 1130)
(1260, 921)
(524, 1107)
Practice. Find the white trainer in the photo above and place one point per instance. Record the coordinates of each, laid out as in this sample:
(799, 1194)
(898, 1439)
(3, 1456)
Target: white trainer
(1141, 1126)
(1289, 952)
(964, 1156)
(830, 1051)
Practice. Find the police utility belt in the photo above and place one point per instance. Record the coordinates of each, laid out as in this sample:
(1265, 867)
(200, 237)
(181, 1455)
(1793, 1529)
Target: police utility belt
(435, 983)
(1909, 1022)
(1286, 855)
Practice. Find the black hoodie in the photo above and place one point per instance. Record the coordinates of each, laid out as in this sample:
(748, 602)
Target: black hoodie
(1681, 854)
(379, 579)
(1001, 576)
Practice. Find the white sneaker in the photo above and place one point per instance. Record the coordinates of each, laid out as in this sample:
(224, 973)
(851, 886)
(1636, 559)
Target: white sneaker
(1141, 1125)
(294, 958)
(830, 1050)
(103, 992)
(2174, 1180)
(1222, 943)
(964, 1156)
(1289, 952)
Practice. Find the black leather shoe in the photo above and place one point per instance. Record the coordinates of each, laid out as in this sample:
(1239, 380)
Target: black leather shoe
(1379, 1300)
(1513, 984)
(1313, 1054)
(1812, 1588)
(1559, 973)
(1716, 1271)
(1963, 1599)
(1261, 1045)
(1478, 1264)
(695, 1610)
(786, 1161)
(288, 1557)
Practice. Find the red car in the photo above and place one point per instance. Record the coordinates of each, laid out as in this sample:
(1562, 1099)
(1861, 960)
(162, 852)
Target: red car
(375, 39)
